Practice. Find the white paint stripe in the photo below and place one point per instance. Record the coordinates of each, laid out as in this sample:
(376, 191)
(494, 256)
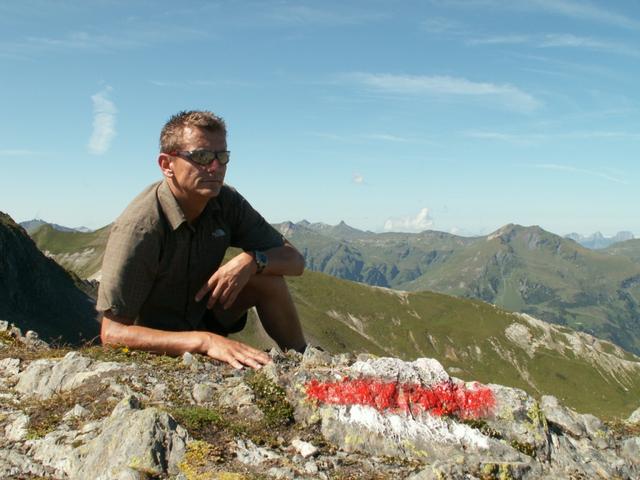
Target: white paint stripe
(403, 427)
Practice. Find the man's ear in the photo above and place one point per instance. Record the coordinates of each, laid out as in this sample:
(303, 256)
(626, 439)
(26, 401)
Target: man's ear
(165, 162)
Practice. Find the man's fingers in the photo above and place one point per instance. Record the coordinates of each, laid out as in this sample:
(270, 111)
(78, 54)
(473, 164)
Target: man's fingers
(215, 295)
(231, 295)
(208, 286)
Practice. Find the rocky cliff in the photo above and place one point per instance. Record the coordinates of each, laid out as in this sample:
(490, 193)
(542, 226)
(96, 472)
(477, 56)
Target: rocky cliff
(36, 293)
(114, 414)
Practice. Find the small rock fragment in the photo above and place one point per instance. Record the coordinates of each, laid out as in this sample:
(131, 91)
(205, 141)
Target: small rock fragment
(305, 449)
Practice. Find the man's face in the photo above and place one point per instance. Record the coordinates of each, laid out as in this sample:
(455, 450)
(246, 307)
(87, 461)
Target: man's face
(195, 180)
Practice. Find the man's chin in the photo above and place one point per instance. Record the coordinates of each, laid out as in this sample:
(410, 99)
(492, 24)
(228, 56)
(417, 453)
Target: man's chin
(210, 190)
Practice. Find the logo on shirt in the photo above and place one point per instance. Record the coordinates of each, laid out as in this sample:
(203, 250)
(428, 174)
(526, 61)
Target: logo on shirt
(218, 232)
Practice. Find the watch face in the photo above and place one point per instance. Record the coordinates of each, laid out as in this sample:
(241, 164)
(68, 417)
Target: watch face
(261, 260)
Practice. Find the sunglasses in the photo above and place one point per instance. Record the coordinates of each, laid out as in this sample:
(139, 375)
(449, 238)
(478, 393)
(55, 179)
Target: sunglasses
(204, 157)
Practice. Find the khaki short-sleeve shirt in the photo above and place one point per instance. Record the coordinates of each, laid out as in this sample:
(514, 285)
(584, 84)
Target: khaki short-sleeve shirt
(155, 261)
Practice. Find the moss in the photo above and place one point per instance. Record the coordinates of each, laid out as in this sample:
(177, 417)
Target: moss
(125, 355)
(523, 447)
(504, 472)
(46, 414)
(271, 399)
(197, 420)
(197, 461)
(483, 427)
(621, 429)
(536, 415)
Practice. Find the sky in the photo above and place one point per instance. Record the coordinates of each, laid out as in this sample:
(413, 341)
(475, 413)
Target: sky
(450, 115)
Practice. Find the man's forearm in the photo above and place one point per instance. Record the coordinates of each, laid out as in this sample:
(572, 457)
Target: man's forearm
(284, 260)
(117, 332)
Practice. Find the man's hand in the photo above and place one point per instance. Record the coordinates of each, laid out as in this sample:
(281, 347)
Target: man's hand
(120, 331)
(234, 353)
(228, 281)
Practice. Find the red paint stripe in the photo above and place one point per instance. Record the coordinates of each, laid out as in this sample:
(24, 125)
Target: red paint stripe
(445, 398)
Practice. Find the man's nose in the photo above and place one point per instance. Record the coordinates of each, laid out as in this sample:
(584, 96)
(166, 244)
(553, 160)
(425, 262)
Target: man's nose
(215, 166)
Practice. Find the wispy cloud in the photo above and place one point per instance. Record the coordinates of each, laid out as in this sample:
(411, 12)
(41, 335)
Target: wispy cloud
(201, 83)
(385, 137)
(358, 179)
(104, 122)
(293, 15)
(422, 221)
(558, 40)
(583, 10)
(124, 37)
(18, 153)
(511, 96)
(583, 171)
(443, 25)
(359, 137)
(533, 138)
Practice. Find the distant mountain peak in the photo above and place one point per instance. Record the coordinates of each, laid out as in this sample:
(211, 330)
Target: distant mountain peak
(597, 240)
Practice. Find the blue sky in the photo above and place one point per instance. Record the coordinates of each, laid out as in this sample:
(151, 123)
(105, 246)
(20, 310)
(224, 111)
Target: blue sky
(459, 116)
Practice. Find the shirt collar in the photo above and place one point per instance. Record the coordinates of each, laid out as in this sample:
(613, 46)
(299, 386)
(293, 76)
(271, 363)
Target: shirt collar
(171, 207)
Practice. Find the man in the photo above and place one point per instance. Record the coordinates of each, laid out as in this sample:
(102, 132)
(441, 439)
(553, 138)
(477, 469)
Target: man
(163, 289)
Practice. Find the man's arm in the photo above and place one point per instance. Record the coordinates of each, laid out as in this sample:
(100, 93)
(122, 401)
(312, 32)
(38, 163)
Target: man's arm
(228, 281)
(118, 330)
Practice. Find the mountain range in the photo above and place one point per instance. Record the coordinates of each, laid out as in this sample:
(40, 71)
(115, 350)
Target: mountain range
(32, 225)
(597, 240)
(523, 269)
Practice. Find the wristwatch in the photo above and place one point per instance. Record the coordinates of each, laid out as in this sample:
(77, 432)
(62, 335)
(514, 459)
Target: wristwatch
(261, 260)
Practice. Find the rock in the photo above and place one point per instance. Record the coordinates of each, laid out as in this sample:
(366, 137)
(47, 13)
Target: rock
(78, 411)
(631, 450)
(45, 377)
(249, 453)
(236, 394)
(189, 360)
(132, 439)
(158, 392)
(565, 419)
(305, 449)
(32, 339)
(634, 417)
(14, 464)
(203, 392)
(16, 427)
(10, 366)
(314, 357)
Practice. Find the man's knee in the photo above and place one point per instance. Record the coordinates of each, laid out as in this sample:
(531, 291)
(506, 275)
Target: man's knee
(268, 285)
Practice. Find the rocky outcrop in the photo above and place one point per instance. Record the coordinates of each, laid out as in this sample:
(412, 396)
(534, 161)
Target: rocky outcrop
(37, 294)
(116, 414)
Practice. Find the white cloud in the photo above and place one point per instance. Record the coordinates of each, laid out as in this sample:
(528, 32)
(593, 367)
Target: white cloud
(511, 96)
(558, 40)
(17, 153)
(585, 11)
(582, 10)
(358, 179)
(422, 221)
(535, 138)
(104, 122)
(568, 168)
(385, 137)
(299, 15)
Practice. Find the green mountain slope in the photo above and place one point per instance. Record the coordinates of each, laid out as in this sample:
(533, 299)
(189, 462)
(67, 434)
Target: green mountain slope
(472, 339)
(628, 248)
(79, 252)
(37, 294)
(523, 269)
